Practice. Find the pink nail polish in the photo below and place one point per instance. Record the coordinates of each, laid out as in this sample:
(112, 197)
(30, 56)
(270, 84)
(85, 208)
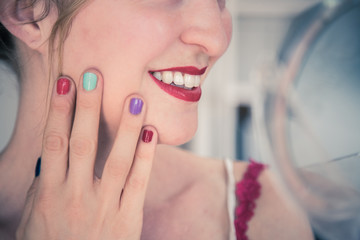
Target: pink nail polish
(63, 86)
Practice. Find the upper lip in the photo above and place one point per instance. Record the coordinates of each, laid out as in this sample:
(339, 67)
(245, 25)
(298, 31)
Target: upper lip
(186, 70)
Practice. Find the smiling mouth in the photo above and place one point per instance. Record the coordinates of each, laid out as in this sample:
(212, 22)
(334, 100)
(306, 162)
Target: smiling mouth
(178, 79)
(181, 82)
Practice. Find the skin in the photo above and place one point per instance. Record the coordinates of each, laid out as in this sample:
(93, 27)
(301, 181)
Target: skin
(169, 202)
(198, 30)
(201, 36)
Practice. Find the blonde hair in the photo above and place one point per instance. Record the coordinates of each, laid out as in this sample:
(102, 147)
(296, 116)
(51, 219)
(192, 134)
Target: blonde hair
(67, 10)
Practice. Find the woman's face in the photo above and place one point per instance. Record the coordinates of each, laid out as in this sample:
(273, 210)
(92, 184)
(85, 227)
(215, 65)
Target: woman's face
(130, 41)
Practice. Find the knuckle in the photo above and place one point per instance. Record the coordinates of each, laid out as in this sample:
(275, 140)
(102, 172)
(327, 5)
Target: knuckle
(127, 229)
(55, 142)
(76, 206)
(87, 103)
(132, 125)
(45, 202)
(144, 155)
(62, 106)
(119, 233)
(137, 183)
(75, 209)
(117, 168)
(82, 146)
(128, 222)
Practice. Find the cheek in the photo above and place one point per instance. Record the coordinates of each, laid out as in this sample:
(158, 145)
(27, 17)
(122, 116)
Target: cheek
(121, 45)
(120, 39)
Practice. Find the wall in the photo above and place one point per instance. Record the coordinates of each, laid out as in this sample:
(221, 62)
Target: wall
(259, 30)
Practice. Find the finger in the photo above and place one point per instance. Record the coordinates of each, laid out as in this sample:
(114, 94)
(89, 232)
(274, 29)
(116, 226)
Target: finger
(122, 154)
(132, 199)
(84, 134)
(27, 208)
(57, 132)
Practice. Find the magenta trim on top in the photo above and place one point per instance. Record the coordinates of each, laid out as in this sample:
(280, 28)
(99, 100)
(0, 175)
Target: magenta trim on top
(247, 191)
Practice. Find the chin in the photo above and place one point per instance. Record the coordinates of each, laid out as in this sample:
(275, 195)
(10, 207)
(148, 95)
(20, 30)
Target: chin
(173, 127)
(176, 136)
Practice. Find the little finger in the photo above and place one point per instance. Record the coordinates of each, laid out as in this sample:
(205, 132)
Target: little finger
(132, 199)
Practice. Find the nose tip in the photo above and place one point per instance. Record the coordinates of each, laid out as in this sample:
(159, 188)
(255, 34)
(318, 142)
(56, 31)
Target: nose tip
(214, 43)
(209, 29)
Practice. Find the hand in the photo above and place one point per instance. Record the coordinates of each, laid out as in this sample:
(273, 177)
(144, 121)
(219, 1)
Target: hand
(67, 201)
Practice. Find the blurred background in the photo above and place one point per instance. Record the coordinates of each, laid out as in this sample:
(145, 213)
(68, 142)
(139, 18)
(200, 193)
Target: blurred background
(287, 93)
(265, 32)
(9, 94)
(225, 114)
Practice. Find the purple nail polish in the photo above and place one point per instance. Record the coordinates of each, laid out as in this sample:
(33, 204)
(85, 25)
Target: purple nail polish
(136, 105)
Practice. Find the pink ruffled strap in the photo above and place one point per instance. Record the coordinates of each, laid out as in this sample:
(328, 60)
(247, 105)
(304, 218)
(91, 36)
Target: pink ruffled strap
(247, 191)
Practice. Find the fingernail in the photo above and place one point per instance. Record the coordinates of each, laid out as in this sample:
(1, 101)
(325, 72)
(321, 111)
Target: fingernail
(147, 136)
(63, 86)
(136, 105)
(89, 81)
(38, 167)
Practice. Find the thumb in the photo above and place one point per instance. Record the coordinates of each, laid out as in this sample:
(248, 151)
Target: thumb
(33, 187)
(29, 202)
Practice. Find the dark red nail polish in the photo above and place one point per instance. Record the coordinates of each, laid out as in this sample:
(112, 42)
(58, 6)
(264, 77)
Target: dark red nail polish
(147, 136)
(63, 86)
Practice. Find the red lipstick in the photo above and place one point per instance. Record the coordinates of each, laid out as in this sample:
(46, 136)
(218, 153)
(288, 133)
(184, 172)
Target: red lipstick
(188, 70)
(189, 95)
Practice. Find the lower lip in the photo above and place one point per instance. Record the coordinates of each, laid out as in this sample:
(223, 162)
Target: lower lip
(192, 95)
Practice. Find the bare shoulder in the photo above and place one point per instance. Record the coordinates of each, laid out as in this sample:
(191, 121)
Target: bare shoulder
(276, 215)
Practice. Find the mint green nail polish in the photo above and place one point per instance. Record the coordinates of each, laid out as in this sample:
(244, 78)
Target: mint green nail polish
(89, 81)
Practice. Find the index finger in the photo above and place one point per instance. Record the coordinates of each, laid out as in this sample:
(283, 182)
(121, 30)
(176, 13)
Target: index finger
(57, 132)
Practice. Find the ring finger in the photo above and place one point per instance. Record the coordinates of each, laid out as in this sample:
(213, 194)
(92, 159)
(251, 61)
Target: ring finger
(121, 157)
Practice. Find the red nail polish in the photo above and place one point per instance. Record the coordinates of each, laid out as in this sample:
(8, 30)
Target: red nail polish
(63, 86)
(147, 136)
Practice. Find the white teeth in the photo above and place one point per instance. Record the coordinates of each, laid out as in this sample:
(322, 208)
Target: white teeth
(178, 78)
(197, 81)
(189, 80)
(167, 77)
(158, 75)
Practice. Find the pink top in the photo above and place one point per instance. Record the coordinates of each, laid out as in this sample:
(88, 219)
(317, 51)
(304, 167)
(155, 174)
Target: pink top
(247, 191)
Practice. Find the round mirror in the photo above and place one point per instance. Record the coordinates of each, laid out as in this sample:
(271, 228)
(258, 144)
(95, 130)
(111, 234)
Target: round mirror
(311, 117)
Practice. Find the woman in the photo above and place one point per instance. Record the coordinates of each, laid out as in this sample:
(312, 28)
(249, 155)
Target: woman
(134, 70)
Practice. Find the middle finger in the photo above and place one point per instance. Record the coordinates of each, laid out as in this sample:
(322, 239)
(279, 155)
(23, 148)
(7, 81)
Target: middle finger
(84, 135)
